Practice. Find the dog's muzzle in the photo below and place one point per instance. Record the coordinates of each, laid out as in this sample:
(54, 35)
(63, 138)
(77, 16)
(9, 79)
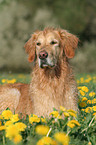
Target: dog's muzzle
(43, 59)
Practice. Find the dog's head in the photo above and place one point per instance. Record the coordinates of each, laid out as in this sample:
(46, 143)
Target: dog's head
(47, 46)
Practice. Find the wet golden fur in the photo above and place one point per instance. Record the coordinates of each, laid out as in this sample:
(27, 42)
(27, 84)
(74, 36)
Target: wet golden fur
(52, 81)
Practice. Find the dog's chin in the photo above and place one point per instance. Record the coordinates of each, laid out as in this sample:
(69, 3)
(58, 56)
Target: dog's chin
(43, 66)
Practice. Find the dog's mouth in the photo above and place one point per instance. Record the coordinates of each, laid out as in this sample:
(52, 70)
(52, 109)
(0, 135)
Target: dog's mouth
(43, 63)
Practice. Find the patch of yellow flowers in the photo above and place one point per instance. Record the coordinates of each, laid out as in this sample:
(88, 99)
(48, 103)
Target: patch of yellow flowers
(12, 126)
(10, 123)
(87, 100)
(7, 81)
(87, 80)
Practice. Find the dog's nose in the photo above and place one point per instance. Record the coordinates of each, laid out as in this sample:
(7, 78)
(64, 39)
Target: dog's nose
(43, 55)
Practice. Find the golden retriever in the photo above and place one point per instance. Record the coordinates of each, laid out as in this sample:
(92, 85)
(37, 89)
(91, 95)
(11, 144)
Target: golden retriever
(52, 82)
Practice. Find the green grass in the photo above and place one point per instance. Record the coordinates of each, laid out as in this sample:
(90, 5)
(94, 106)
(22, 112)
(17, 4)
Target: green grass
(23, 78)
(85, 133)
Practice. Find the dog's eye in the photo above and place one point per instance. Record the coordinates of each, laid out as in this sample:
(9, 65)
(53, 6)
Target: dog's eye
(53, 42)
(38, 43)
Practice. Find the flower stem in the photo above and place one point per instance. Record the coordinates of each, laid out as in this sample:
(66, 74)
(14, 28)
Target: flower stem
(89, 124)
(3, 140)
(49, 132)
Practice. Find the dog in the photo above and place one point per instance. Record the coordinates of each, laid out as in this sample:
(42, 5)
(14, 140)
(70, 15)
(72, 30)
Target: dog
(52, 84)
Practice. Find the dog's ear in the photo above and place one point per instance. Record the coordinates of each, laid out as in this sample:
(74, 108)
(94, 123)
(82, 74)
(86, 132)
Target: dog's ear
(30, 47)
(69, 43)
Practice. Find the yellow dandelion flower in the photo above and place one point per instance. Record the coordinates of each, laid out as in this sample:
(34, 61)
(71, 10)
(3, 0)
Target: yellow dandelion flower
(94, 108)
(78, 81)
(79, 88)
(81, 80)
(1, 117)
(11, 81)
(88, 109)
(62, 138)
(82, 104)
(17, 138)
(7, 123)
(89, 102)
(2, 127)
(46, 141)
(92, 94)
(85, 89)
(20, 126)
(54, 113)
(94, 101)
(43, 120)
(11, 131)
(89, 143)
(75, 122)
(3, 80)
(33, 115)
(34, 118)
(89, 77)
(62, 108)
(70, 124)
(82, 109)
(42, 129)
(84, 99)
(87, 80)
(82, 93)
(59, 117)
(14, 118)
(72, 112)
(7, 114)
(94, 113)
(66, 114)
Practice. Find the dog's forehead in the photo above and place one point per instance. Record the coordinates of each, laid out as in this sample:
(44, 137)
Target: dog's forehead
(48, 35)
(52, 35)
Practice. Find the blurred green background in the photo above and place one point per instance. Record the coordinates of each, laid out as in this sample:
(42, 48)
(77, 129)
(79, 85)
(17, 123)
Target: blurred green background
(20, 18)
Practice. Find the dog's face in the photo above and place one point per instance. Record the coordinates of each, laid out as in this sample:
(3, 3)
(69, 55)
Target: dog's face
(48, 46)
(47, 49)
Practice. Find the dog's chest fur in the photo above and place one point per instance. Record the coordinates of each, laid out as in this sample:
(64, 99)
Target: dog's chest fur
(47, 93)
(45, 98)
